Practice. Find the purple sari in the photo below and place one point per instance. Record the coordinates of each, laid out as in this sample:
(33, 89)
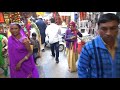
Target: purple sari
(18, 51)
(68, 35)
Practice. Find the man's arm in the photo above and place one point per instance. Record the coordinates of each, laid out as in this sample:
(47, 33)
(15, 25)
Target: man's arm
(83, 63)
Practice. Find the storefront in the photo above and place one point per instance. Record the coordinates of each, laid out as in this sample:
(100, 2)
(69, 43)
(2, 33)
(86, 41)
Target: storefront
(88, 22)
(6, 18)
(15, 17)
(3, 21)
(65, 18)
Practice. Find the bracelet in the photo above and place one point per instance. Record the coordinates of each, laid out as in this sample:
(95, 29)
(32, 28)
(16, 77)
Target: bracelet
(26, 57)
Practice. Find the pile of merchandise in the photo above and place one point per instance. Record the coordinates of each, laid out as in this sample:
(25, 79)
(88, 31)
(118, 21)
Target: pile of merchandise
(15, 17)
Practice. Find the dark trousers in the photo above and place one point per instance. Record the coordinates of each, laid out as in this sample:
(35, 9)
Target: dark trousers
(55, 47)
(35, 54)
(42, 39)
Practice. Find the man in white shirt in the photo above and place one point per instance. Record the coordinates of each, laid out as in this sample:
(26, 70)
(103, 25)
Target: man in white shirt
(53, 31)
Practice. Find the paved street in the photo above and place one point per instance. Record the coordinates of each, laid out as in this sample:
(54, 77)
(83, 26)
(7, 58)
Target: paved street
(49, 69)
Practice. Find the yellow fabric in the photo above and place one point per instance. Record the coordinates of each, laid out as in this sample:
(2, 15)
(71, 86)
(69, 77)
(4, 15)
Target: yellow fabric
(8, 33)
(40, 13)
(72, 58)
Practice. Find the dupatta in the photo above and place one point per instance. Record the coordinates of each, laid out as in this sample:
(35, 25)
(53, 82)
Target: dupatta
(16, 52)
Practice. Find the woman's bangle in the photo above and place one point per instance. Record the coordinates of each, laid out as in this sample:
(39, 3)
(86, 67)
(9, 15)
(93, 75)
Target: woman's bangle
(26, 57)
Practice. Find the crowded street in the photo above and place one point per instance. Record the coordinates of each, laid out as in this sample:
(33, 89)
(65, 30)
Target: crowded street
(59, 44)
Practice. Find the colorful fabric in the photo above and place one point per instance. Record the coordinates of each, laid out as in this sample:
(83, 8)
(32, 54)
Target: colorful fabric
(2, 59)
(8, 33)
(72, 23)
(17, 51)
(72, 58)
(88, 67)
(1, 54)
(68, 35)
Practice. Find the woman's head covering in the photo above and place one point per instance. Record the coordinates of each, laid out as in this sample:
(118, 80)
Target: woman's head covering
(72, 23)
(21, 30)
(16, 24)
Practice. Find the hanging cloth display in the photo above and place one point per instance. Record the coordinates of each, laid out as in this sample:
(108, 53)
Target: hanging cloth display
(83, 16)
(1, 17)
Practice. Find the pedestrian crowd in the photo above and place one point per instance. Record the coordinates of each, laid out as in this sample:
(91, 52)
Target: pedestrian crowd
(24, 43)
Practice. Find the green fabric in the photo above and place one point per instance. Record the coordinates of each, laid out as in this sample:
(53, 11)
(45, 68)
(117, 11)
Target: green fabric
(1, 55)
(25, 29)
(2, 59)
(36, 28)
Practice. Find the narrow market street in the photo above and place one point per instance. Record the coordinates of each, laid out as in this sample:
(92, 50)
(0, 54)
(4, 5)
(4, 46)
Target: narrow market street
(49, 69)
(23, 34)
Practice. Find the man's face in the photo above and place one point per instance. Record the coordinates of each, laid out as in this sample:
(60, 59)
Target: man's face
(108, 31)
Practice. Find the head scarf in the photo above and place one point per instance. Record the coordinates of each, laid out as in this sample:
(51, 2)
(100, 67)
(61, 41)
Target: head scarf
(68, 32)
(21, 30)
(72, 23)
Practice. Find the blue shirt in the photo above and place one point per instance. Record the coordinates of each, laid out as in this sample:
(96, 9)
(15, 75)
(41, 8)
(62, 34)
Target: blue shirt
(87, 67)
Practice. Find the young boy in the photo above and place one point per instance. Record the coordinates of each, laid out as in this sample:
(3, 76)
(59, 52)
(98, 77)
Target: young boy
(36, 47)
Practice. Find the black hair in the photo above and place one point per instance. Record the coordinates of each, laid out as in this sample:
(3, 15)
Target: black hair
(18, 26)
(34, 34)
(107, 18)
(32, 20)
(52, 20)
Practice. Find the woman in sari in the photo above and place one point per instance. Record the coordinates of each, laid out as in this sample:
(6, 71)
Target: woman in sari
(71, 45)
(20, 55)
(3, 51)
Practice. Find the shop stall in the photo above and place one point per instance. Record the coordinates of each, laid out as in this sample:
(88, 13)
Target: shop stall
(65, 18)
(15, 17)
